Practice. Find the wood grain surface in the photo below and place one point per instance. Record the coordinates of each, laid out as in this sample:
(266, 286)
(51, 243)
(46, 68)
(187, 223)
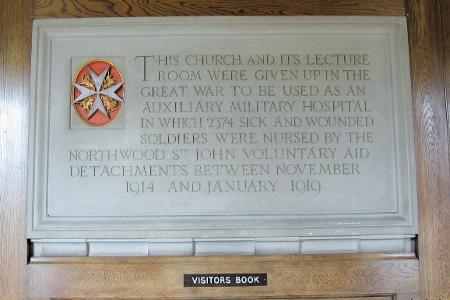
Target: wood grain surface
(445, 17)
(162, 277)
(427, 70)
(15, 34)
(122, 8)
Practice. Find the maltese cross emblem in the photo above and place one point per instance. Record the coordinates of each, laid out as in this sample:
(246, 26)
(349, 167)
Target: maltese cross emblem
(98, 93)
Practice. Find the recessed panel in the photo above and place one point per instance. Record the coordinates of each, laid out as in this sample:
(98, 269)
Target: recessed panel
(221, 127)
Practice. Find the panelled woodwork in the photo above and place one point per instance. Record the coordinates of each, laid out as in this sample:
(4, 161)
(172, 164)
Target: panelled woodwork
(135, 8)
(15, 49)
(429, 101)
(162, 277)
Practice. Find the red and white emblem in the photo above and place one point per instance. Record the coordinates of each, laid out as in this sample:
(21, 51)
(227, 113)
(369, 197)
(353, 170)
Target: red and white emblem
(98, 93)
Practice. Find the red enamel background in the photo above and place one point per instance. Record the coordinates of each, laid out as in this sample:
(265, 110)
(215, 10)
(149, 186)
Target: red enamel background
(98, 119)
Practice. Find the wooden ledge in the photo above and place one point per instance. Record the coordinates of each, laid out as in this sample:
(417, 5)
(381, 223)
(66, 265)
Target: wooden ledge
(135, 8)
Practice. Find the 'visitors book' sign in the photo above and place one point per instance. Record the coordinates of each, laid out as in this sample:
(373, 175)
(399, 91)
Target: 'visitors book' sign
(225, 280)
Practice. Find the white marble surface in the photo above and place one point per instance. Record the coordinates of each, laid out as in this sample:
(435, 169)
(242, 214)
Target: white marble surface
(380, 199)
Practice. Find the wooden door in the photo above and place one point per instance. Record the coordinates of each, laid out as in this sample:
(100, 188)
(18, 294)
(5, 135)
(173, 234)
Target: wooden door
(333, 276)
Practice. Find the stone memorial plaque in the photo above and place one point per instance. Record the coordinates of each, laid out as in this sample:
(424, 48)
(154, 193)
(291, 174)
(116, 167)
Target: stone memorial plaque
(221, 127)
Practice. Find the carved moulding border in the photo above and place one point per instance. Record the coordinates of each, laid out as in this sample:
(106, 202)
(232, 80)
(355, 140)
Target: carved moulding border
(403, 220)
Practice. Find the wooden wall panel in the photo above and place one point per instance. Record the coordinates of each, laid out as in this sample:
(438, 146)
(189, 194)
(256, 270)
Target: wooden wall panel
(445, 17)
(122, 8)
(428, 69)
(15, 35)
(162, 277)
